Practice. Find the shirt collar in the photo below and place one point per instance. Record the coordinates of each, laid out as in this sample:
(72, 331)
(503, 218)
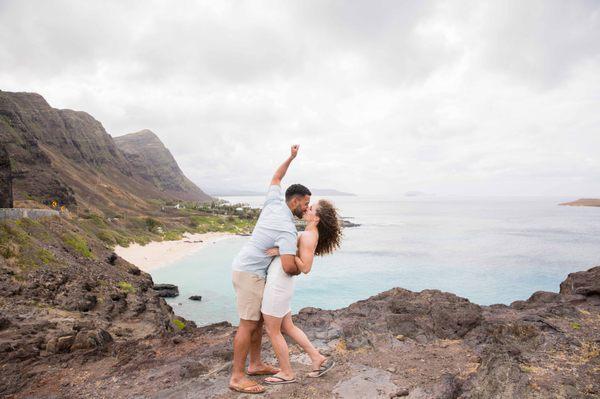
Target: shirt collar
(289, 211)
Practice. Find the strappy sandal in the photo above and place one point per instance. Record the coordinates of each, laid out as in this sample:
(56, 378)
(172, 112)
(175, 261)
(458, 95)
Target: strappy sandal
(280, 381)
(327, 365)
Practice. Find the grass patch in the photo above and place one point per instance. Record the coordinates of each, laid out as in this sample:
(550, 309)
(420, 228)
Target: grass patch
(126, 287)
(96, 219)
(575, 326)
(172, 235)
(78, 244)
(179, 324)
(45, 256)
(107, 236)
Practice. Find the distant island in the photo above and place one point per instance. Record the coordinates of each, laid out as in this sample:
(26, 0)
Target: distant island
(251, 193)
(583, 202)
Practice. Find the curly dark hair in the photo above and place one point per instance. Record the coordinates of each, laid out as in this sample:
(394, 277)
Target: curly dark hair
(329, 227)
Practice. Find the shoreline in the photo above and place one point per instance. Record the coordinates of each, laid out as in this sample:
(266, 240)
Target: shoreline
(158, 254)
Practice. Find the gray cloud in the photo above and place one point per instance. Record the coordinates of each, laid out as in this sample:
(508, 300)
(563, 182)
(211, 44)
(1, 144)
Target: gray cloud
(384, 96)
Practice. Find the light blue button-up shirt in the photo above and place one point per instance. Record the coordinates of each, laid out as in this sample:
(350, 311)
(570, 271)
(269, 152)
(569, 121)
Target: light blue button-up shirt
(275, 228)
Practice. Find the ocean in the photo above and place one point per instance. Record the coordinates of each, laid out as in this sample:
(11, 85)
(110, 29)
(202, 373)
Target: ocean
(489, 250)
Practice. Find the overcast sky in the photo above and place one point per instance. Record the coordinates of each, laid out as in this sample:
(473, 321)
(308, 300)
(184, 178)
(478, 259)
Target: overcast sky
(384, 97)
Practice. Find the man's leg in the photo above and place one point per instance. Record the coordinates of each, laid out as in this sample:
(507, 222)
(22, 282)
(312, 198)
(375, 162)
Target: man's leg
(256, 365)
(241, 346)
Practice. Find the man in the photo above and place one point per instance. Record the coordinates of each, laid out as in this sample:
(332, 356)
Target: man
(275, 228)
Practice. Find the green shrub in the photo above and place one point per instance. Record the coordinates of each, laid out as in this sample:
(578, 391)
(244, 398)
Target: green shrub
(172, 235)
(152, 224)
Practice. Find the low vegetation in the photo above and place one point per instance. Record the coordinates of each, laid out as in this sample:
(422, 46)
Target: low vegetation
(168, 222)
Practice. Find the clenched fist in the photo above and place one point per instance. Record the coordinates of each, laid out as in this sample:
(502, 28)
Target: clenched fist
(295, 149)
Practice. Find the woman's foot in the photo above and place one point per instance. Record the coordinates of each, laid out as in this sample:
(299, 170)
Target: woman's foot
(317, 362)
(281, 378)
(323, 368)
(262, 369)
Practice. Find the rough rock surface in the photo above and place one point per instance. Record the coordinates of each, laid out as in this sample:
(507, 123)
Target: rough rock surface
(399, 343)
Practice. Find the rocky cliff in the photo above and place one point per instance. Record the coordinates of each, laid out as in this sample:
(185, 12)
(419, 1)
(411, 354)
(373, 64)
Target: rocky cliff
(69, 157)
(151, 160)
(80, 323)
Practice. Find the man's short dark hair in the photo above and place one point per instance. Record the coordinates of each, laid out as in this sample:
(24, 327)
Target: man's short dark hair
(296, 190)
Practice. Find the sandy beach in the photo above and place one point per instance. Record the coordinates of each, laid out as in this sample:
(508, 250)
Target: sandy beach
(157, 254)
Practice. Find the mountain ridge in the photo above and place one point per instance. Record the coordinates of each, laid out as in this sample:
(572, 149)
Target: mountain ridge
(70, 158)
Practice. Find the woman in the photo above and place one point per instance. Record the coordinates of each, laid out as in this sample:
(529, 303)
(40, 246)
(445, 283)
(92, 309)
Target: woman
(321, 236)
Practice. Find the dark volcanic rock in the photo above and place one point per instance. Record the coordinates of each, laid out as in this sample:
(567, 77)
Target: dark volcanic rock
(166, 290)
(196, 297)
(112, 258)
(583, 283)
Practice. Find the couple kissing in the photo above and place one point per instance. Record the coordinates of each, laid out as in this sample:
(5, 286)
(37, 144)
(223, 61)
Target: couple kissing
(263, 278)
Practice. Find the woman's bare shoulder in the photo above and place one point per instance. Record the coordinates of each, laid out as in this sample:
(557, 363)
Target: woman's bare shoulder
(308, 236)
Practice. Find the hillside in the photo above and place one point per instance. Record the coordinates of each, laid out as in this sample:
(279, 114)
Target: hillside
(151, 160)
(68, 157)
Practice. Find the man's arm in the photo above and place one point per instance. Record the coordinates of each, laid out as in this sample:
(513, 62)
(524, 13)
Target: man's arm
(280, 172)
(289, 265)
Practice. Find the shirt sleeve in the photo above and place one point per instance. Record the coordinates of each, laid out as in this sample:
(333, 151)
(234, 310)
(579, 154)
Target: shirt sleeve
(287, 243)
(274, 194)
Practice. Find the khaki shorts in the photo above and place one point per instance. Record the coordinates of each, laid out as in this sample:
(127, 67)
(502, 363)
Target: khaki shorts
(249, 289)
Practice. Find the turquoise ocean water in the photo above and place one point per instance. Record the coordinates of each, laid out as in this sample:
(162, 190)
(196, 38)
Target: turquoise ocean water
(489, 250)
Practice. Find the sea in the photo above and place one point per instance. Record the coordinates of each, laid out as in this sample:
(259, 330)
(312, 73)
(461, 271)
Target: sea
(489, 250)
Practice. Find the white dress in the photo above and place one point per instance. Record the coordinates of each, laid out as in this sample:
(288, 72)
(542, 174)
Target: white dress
(279, 289)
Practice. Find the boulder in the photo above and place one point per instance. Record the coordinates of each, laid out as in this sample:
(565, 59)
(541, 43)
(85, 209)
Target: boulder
(91, 339)
(112, 258)
(582, 283)
(166, 290)
(196, 297)
(60, 344)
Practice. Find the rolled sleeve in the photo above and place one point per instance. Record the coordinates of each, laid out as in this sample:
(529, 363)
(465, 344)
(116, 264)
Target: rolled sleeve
(274, 194)
(287, 243)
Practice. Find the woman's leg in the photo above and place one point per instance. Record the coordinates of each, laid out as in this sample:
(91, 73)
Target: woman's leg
(273, 327)
(289, 328)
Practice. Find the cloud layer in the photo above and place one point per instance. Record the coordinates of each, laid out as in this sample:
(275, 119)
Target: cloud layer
(477, 98)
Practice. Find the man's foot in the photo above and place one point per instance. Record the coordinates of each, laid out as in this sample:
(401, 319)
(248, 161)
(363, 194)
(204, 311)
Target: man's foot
(246, 386)
(262, 369)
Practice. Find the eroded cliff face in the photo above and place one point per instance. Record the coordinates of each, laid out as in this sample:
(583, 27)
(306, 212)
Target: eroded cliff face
(65, 297)
(151, 160)
(69, 157)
